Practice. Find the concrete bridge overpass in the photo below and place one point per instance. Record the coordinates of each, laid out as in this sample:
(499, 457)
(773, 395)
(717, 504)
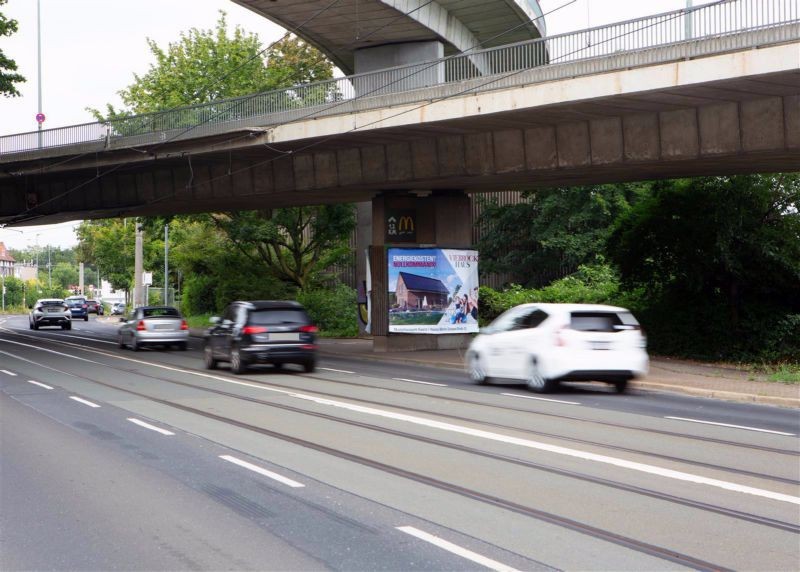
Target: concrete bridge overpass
(724, 101)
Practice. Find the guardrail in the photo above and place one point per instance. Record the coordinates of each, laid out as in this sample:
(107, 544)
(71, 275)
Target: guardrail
(644, 41)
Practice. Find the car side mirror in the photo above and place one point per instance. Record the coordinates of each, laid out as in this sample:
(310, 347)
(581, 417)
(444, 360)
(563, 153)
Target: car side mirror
(123, 319)
(30, 306)
(214, 319)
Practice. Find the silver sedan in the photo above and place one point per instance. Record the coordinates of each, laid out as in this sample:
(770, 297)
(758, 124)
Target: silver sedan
(153, 326)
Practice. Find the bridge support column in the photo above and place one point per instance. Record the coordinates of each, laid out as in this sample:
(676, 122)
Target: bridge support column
(378, 58)
(441, 219)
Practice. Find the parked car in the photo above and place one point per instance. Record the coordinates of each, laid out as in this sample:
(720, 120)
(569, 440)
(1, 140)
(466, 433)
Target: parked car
(50, 312)
(266, 331)
(94, 307)
(152, 326)
(118, 309)
(542, 345)
(78, 307)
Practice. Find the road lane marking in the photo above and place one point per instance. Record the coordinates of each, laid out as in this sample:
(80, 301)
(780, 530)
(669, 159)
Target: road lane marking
(11, 373)
(336, 370)
(85, 402)
(575, 453)
(148, 426)
(417, 381)
(261, 471)
(39, 384)
(457, 550)
(729, 425)
(541, 398)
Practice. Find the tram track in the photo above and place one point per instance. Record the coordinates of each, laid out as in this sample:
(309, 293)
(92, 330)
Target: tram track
(739, 515)
(559, 416)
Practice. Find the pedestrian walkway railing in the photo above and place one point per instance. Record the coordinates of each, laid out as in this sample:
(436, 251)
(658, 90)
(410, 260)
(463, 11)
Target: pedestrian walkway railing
(718, 27)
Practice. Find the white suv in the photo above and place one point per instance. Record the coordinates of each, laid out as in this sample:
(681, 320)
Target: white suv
(543, 344)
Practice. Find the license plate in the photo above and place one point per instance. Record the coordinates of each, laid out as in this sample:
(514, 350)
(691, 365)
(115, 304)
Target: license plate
(600, 345)
(163, 327)
(278, 337)
(52, 311)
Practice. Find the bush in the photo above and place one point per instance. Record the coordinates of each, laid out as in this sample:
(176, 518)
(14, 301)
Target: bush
(591, 284)
(198, 295)
(333, 310)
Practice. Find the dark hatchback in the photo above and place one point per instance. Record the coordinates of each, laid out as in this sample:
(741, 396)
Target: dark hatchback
(261, 332)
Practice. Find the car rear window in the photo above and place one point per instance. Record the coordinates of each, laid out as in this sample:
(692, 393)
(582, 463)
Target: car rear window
(274, 316)
(160, 313)
(600, 321)
(75, 302)
(52, 303)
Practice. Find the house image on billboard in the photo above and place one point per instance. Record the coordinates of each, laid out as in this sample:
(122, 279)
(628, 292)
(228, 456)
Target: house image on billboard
(420, 292)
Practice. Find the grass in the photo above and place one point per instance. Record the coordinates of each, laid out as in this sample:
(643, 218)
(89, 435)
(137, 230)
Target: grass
(785, 373)
(199, 321)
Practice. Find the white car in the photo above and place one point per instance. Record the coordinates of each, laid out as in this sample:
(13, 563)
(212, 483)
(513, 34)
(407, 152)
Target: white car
(543, 344)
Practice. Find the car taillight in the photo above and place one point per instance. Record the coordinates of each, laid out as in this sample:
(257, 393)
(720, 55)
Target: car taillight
(66, 308)
(254, 330)
(140, 327)
(309, 329)
(184, 325)
(85, 306)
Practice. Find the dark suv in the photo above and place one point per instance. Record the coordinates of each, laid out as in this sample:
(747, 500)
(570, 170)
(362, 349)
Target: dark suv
(264, 331)
(78, 307)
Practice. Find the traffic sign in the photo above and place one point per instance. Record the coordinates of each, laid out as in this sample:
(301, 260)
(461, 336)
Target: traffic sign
(40, 117)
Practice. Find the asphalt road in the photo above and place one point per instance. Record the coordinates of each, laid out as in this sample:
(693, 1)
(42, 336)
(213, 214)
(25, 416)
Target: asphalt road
(111, 459)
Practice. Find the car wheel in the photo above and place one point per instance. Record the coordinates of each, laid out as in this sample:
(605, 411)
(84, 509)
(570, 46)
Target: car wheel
(476, 372)
(237, 363)
(121, 344)
(35, 326)
(183, 346)
(208, 358)
(30, 324)
(309, 366)
(86, 318)
(134, 344)
(535, 380)
(64, 326)
(69, 325)
(621, 385)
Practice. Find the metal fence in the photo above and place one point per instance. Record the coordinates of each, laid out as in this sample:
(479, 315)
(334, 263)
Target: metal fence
(712, 28)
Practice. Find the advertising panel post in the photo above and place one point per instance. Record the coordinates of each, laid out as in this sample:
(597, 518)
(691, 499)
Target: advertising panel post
(433, 291)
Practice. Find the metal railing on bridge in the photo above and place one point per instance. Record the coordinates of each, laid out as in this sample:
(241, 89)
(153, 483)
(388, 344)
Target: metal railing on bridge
(693, 32)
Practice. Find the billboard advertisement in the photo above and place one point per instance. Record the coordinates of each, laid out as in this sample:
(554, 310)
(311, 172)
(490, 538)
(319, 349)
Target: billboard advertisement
(433, 291)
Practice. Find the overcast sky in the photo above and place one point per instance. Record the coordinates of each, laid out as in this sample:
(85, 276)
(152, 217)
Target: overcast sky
(92, 48)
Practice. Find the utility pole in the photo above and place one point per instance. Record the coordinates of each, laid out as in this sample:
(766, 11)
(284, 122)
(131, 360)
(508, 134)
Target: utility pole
(687, 21)
(138, 269)
(166, 265)
(39, 63)
(80, 279)
(49, 268)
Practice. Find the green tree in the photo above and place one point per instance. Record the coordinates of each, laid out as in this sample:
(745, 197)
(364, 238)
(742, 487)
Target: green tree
(8, 67)
(719, 258)
(553, 231)
(208, 65)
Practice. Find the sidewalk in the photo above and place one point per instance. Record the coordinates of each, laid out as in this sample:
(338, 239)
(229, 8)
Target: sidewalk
(676, 376)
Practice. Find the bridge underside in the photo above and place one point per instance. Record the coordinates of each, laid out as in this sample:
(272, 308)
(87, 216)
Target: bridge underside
(739, 126)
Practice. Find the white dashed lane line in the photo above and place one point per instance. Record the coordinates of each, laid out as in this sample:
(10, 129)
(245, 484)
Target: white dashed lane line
(541, 398)
(261, 471)
(84, 401)
(336, 370)
(11, 373)
(449, 427)
(40, 384)
(141, 423)
(729, 425)
(456, 549)
(421, 382)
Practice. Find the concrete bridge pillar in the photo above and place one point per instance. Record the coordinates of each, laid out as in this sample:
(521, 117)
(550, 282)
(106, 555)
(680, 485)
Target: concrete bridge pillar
(440, 219)
(379, 58)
